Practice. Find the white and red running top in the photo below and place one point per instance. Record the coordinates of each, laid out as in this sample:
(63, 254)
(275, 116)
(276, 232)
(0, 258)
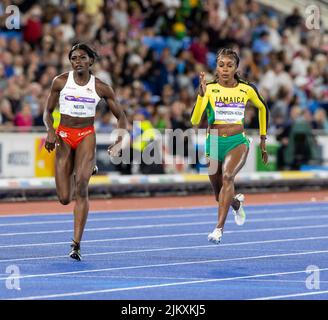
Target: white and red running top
(78, 101)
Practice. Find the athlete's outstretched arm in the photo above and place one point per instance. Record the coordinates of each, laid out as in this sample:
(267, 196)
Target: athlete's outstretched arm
(48, 120)
(108, 94)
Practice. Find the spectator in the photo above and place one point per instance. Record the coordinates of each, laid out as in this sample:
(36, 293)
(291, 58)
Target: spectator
(301, 62)
(251, 118)
(152, 53)
(33, 26)
(294, 20)
(66, 27)
(288, 46)
(263, 45)
(7, 60)
(320, 120)
(282, 104)
(120, 15)
(144, 136)
(249, 68)
(199, 48)
(275, 78)
(167, 97)
(24, 119)
(161, 118)
(38, 118)
(91, 8)
(3, 82)
(283, 134)
(32, 97)
(14, 94)
(274, 35)
(6, 114)
(105, 124)
(180, 120)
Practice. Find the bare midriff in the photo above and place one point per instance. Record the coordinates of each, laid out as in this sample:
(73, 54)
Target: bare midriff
(76, 122)
(225, 130)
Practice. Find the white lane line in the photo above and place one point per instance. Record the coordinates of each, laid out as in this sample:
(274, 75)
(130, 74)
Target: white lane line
(282, 281)
(287, 205)
(139, 277)
(156, 216)
(294, 295)
(148, 226)
(169, 236)
(195, 278)
(108, 219)
(104, 240)
(123, 211)
(72, 294)
(173, 248)
(45, 275)
(164, 225)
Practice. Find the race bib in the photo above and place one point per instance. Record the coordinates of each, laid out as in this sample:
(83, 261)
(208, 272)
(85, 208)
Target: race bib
(231, 112)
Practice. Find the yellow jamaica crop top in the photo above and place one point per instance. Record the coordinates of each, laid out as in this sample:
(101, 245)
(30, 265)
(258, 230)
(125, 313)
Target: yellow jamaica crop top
(227, 105)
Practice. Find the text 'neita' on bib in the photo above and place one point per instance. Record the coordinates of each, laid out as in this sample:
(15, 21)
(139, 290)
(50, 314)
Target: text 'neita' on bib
(78, 101)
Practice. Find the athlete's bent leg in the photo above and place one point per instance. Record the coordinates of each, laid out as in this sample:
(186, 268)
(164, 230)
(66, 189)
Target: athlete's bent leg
(215, 176)
(232, 164)
(64, 168)
(84, 163)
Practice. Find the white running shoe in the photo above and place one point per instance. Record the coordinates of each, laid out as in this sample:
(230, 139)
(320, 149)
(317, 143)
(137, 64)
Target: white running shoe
(240, 215)
(215, 236)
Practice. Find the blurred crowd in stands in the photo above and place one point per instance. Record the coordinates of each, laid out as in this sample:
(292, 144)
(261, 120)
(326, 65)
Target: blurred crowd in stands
(151, 52)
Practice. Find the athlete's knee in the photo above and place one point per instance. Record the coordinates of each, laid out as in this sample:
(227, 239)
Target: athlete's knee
(228, 178)
(65, 200)
(82, 188)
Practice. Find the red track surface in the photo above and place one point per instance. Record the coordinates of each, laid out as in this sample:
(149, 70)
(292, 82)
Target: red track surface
(157, 202)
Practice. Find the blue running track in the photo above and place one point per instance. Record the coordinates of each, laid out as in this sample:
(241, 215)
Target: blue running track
(164, 255)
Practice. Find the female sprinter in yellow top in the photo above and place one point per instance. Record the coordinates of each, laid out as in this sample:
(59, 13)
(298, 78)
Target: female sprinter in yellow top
(227, 146)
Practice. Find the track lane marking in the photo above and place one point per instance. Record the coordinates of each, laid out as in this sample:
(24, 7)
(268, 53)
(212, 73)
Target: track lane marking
(72, 294)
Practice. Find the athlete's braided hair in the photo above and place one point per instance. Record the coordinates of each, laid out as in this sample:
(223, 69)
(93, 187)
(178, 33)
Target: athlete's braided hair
(229, 52)
(90, 52)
